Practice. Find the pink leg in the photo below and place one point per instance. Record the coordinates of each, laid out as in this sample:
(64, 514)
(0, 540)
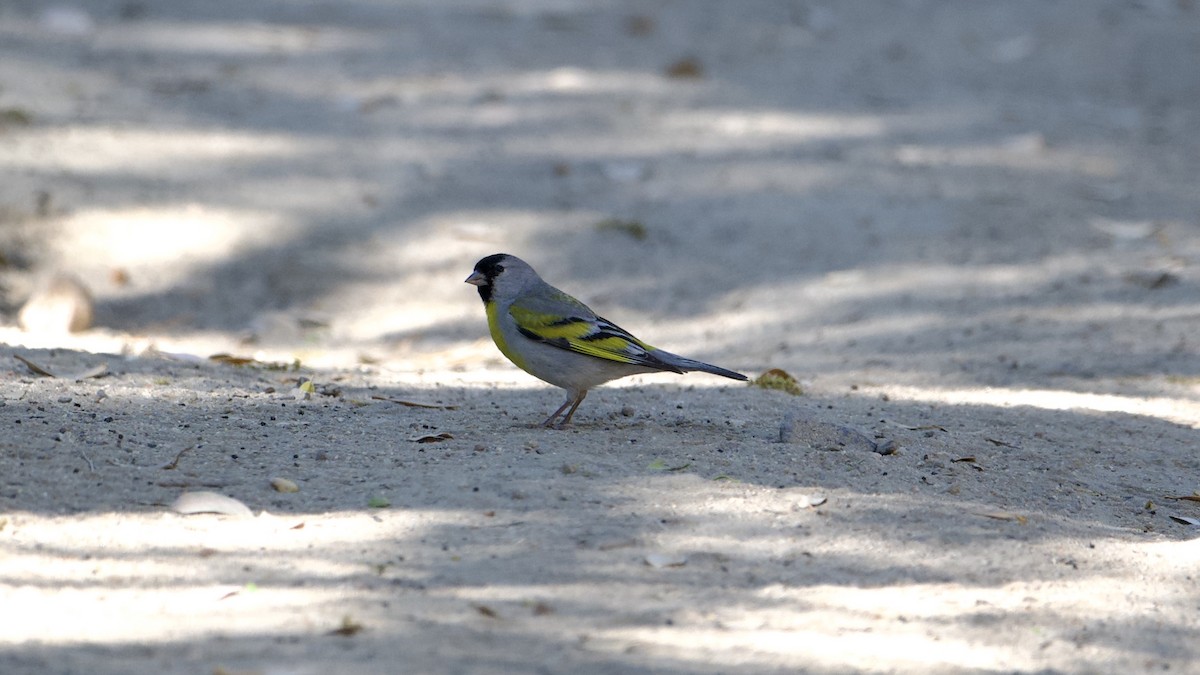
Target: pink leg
(574, 402)
(571, 412)
(556, 413)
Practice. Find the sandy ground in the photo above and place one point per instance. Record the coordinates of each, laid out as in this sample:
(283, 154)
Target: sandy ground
(971, 230)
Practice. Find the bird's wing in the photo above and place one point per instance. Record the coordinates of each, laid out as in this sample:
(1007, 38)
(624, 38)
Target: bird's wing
(566, 323)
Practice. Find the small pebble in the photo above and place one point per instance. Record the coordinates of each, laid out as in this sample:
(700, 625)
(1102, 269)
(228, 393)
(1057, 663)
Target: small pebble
(203, 501)
(284, 485)
(888, 447)
(808, 502)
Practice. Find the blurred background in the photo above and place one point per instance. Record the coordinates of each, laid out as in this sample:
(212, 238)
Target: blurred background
(910, 191)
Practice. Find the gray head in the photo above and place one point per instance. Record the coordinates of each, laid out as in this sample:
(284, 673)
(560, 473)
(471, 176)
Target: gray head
(502, 277)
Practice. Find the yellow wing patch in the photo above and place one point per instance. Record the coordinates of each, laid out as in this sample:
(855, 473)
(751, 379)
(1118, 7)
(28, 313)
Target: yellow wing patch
(592, 336)
(611, 348)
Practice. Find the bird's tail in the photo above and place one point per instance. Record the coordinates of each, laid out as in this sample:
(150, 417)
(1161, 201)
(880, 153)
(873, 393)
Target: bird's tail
(691, 364)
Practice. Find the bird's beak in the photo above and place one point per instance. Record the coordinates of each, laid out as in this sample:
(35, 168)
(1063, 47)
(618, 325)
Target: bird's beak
(476, 279)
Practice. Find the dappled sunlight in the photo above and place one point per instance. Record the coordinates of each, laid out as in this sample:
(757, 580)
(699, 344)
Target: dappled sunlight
(825, 637)
(446, 107)
(1177, 410)
(168, 577)
(1099, 311)
(159, 579)
(1025, 152)
(744, 133)
(839, 626)
(776, 124)
(174, 241)
(235, 38)
(209, 38)
(1064, 315)
(967, 230)
(592, 81)
(136, 533)
(837, 645)
(852, 290)
(547, 538)
(701, 133)
(834, 627)
(104, 150)
(148, 615)
(933, 280)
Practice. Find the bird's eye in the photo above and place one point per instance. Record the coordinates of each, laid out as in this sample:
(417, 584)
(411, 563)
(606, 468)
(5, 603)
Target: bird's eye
(499, 269)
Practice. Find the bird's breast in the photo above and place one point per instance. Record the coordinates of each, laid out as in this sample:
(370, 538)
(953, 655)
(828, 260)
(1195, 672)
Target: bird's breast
(497, 317)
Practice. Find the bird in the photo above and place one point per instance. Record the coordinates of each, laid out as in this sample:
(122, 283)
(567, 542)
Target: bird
(561, 341)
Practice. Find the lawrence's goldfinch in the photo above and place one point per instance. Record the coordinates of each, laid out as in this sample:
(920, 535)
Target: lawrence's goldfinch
(556, 338)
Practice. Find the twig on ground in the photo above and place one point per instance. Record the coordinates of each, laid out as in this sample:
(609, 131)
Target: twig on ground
(414, 404)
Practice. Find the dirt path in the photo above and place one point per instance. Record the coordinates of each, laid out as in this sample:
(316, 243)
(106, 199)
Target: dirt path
(969, 229)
